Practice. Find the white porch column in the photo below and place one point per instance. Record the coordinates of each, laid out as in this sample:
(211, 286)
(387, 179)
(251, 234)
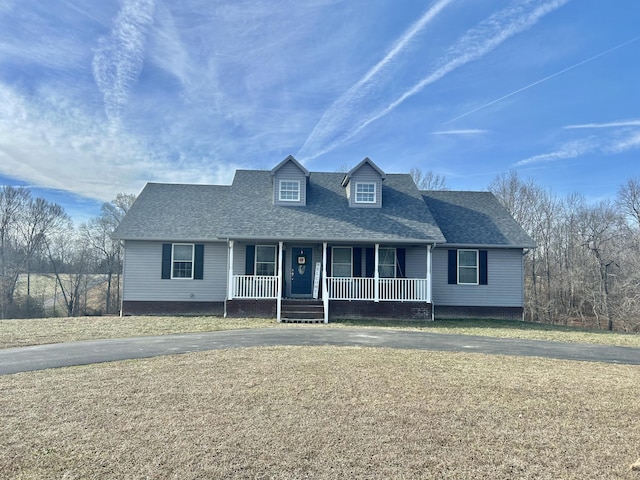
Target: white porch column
(325, 289)
(428, 273)
(279, 299)
(230, 274)
(376, 276)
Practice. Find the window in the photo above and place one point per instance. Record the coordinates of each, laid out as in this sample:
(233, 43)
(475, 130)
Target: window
(341, 262)
(289, 191)
(265, 260)
(182, 261)
(365, 192)
(468, 267)
(387, 262)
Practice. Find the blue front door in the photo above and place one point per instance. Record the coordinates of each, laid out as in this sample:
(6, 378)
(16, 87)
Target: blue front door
(301, 271)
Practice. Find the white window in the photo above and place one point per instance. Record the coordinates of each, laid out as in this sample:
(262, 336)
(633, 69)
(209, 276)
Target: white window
(468, 267)
(289, 191)
(182, 260)
(365, 192)
(341, 262)
(387, 262)
(266, 260)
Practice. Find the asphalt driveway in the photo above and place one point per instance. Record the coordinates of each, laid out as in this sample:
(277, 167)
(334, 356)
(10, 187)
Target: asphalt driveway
(23, 359)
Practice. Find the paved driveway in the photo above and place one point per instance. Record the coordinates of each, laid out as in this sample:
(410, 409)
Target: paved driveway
(23, 359)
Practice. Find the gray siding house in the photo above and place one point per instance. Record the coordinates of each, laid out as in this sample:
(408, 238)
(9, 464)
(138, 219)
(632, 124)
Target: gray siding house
(298, 245)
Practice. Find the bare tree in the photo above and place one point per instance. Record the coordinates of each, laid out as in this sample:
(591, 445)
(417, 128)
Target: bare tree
(628, 200)
(428, 180)
(98, 235)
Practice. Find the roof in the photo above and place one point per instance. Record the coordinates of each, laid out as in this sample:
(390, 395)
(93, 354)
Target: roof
(475, 218)
(245, 211)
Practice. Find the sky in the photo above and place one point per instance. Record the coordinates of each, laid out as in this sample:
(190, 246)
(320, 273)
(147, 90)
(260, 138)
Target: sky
(98, 97)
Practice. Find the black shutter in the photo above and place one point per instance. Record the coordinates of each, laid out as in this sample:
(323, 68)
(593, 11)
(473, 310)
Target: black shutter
(453, 267)
(166, 261)
(328, 261)
(400, 263)
(250, 260)
(482, 254)
(357, 262)
(370, 259)
(198, 268)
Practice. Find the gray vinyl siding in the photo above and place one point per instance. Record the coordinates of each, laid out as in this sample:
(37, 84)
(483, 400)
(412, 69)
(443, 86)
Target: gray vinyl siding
(416, 262)
(289, 171)
(142, 272)
(504, 287)
(366, 174)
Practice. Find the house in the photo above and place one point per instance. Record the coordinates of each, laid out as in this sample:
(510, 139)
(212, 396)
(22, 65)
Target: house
(295, 245)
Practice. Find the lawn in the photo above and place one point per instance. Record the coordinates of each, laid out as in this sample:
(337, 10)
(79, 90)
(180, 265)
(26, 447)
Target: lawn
(323, 413)
(15, 333)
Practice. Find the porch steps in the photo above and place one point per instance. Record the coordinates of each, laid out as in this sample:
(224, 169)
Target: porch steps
(302, 311)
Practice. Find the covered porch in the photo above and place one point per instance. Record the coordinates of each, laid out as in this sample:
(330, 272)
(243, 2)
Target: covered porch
(364, 280)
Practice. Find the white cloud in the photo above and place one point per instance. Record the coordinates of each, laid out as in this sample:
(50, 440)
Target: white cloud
(119, 57)
(611, 144)
(51, 143)
(461, 131)
(620, 123)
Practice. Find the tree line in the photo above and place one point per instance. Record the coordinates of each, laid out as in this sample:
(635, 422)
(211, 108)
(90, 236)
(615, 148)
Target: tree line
(38, 237)
(585, 269)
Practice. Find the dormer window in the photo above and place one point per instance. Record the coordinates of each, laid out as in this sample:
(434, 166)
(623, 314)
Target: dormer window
(289, 191)
(365, 192)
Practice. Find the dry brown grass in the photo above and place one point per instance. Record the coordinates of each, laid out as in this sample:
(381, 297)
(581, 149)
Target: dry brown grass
(20, 333)
(321, 412)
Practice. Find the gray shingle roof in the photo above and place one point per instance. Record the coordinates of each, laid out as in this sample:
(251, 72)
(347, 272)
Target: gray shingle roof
(475, 218)
(327, 215)
(245, 210)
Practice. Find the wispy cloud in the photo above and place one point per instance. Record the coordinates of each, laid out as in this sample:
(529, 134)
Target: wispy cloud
(339, 115)
(468, 131)
(338, 125)
(612, 144)
(620, 123)
(118, 60)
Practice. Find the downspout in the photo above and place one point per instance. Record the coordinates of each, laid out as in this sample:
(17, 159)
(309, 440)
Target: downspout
(429, 278)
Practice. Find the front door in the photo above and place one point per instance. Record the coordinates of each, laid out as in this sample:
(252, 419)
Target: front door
(301, 271)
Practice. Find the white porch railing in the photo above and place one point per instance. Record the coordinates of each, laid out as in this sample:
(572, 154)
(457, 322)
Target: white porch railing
(389, 289)
(255, 286)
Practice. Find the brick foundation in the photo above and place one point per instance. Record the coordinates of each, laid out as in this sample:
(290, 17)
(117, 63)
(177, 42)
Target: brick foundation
(249, 308)
(172, 308)
(443, 312)
(403, 311)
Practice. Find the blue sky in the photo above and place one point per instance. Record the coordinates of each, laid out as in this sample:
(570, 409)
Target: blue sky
(99, 97)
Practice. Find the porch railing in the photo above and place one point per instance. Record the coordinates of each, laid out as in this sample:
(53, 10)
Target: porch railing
(255, 286)
(389, 289)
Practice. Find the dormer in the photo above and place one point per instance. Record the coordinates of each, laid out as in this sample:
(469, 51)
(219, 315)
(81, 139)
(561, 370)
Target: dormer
(289, 183)
(363, 184)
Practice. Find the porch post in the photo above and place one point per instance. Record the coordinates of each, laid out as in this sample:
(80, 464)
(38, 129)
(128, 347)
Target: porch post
(279, 299)
(230, 274)
(428, 273)
(325, 289)
(376, 276)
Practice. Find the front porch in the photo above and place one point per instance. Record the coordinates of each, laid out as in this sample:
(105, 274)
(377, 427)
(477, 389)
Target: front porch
(373, 296)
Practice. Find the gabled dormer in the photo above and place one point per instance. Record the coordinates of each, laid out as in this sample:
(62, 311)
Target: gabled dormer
(363, 184)
(289, 183)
